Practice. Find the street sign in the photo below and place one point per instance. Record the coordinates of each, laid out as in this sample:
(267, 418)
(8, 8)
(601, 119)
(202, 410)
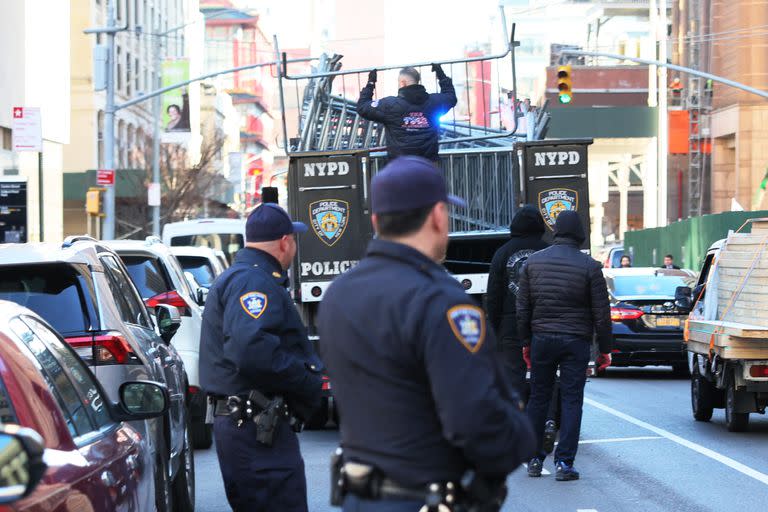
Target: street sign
(13, 210)
(105, 177)
(27, 129)
(153, 194)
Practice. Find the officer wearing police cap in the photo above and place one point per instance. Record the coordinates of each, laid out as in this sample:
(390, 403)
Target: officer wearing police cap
(254, 359)
(426, 416)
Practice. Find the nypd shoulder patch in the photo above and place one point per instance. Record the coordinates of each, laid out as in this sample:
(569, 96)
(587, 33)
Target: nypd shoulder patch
(254, 303)
(468, 325)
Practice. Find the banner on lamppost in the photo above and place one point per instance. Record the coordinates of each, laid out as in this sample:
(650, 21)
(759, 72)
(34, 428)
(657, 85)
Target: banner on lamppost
(175, 114)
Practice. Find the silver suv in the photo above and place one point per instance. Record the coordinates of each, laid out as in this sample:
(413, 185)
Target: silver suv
(84, 291)
(160, 280)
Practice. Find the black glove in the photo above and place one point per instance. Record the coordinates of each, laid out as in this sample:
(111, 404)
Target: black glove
(372, 77)
(438, 70)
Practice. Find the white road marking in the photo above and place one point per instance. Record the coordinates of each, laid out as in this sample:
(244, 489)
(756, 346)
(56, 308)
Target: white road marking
(618, 440)
(586, 510)
(723, 459)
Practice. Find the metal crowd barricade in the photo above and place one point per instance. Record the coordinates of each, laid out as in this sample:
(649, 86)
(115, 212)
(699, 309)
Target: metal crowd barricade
(479, 160)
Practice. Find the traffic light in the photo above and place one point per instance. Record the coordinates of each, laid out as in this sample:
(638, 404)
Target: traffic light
(564, 90)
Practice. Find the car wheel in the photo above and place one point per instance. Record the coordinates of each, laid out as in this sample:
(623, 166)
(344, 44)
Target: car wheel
(202, 434)
(184, 483)
(735, 421)
(163, 494)
(320, 418)
(702, 399)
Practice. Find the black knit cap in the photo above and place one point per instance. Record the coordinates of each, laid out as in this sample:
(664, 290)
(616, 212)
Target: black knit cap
(568, 225)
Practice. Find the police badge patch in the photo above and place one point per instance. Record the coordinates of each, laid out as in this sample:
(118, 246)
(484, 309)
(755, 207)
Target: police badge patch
(329, 219)
(468, 325)
(254, 303)
(554, 201)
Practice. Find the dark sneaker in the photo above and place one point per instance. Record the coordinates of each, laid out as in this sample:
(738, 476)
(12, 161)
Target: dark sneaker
(550, 434)
(565, 472)
(534, 467)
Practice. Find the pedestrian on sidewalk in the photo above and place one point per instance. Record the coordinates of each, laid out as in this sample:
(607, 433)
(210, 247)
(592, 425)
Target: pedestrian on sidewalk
(412, 118)
(424, 405)
(526, 229)
(561, 304)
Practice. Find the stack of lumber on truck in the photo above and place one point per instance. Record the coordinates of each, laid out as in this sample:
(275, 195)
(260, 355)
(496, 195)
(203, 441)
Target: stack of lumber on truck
(742, 300)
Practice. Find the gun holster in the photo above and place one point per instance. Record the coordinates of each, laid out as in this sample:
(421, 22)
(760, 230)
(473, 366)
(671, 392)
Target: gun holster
(359, 479)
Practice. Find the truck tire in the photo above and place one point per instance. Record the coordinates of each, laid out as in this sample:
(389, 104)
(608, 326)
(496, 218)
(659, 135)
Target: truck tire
(702, 396)
(735, 421)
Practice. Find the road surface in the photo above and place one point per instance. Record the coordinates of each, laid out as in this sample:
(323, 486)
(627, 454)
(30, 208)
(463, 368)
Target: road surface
(640, 451)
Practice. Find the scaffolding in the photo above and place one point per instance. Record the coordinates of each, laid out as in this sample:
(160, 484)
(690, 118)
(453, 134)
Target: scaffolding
(698, 103)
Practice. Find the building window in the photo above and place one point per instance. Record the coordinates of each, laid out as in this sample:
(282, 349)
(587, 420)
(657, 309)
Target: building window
(119, 72)
(136, 75)
(128, 72)
(7, 135)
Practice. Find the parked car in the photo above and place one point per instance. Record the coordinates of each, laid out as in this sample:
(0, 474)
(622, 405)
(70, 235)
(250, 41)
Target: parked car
(226, 235)
(96, 460)
(84, 291)
(647, 325)
(160, 280)
(610, 256)
(202, 262)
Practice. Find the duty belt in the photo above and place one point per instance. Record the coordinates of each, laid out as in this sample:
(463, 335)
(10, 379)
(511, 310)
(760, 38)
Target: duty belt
(266, 413)
(367, 482)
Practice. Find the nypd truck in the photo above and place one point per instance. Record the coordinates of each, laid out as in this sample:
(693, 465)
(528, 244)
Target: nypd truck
(330, 192)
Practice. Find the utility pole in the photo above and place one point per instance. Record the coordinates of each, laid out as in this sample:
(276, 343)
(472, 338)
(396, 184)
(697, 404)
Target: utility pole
(682, 69)
(109, 124)
(156, 133)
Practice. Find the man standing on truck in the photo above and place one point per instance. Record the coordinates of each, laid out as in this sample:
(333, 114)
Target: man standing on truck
(562, 302)
(525, 231)
(445, 426)
(411, 118)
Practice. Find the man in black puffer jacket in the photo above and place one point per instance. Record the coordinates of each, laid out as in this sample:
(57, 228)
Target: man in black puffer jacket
(525, 231)
(413, 116)
(562, 302)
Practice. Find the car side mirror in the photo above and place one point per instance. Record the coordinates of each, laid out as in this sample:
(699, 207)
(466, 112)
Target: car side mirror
(202, 295)
(168, 321)
(141, 400)
(683, 298)
(21, 453)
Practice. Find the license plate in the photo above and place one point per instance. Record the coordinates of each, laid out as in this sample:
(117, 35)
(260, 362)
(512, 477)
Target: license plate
(667, 321)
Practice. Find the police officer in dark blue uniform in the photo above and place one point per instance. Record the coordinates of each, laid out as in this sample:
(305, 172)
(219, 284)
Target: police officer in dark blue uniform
(426, 415)
(254, 359)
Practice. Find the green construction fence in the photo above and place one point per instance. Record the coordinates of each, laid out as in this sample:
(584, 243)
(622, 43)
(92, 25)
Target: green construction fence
(687, 240)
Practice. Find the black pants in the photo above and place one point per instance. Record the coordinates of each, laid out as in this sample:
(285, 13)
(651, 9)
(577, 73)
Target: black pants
(260, 478)
(571, 355)
(511, 354)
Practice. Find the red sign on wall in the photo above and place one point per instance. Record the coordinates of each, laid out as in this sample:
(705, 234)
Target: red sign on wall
(105, 177)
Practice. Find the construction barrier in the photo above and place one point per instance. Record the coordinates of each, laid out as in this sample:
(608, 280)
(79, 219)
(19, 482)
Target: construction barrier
(687, 240)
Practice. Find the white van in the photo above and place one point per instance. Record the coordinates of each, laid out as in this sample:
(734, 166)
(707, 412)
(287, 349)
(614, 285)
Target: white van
(226, 235)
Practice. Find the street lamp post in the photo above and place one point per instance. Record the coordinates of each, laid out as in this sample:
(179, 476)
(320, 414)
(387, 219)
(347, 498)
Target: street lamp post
(109, 124)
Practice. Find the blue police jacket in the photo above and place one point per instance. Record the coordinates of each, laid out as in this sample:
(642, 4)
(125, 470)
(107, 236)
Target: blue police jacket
(253, 337)
(412, 364)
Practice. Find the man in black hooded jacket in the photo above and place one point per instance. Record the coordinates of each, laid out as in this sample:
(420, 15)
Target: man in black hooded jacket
(411, 118)
(561, 304)
(526, 230)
